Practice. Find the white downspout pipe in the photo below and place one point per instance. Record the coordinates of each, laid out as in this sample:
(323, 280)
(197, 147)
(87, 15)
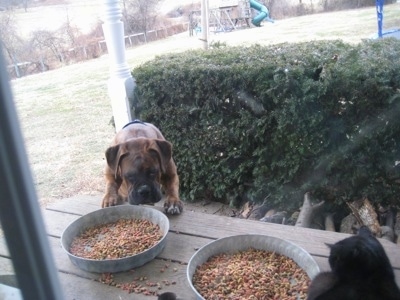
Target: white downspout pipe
(204, 23)
(121, 83)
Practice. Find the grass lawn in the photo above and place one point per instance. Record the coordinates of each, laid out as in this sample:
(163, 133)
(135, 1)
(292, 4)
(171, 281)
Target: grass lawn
(65, 113)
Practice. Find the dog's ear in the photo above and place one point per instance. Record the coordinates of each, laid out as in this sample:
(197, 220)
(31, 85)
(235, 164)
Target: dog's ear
(114, 156)
(164, 151)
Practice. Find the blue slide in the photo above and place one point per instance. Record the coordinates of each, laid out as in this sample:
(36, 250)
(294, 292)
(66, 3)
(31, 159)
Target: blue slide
(264, 13)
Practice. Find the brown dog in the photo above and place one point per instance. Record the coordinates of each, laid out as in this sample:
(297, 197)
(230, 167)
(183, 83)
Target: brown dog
(139, 162)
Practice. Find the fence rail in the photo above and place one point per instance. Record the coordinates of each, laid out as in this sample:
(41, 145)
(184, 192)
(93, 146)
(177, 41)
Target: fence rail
(137, 39)
(48, 61)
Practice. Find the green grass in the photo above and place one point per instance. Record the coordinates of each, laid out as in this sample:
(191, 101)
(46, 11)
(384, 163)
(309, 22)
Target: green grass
(65, 113)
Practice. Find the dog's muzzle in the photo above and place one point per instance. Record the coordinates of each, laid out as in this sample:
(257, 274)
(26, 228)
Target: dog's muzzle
(145, 194)
(144, 191)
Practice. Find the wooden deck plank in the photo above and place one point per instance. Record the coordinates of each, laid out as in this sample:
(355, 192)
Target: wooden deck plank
(176, 249)
(172, 278)
(74, 284)
(161, 271)
(197, 224)
(188, 232)
(187, 224)
(76, 205)
(3, 247)
(169, 275)
(56, 222)
(6, 267)
(314, 241)
(84, 290)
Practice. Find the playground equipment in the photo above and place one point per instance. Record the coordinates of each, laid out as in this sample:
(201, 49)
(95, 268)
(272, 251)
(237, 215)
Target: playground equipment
(227, 15)
(264, 13)
(389, 33)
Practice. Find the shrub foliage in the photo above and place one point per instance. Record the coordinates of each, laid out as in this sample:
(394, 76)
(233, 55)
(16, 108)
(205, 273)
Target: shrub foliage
(269, 123)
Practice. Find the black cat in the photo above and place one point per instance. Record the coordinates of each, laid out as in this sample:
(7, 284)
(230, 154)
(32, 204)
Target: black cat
(361, 270)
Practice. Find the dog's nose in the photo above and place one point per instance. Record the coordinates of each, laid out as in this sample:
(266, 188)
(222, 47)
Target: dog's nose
(144, 191)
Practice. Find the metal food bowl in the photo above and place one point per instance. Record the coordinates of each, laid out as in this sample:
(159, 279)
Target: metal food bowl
(109, 215)
(238, 243)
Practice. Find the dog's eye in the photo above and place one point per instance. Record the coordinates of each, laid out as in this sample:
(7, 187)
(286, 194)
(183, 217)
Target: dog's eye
(153, 173)
(130, 177)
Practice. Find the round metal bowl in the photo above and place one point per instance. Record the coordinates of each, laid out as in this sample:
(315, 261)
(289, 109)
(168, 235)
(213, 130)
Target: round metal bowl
(233, 244)
(109, 215)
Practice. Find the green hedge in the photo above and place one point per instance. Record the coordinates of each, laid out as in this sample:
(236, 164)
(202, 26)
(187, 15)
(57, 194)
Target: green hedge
(268, 123)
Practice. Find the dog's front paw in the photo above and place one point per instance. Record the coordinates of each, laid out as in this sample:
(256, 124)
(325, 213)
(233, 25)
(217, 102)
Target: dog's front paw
(109, 200)
(173, 207)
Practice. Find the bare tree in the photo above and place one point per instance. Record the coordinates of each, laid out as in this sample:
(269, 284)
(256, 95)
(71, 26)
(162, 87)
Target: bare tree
(48, 42)
(139, 15)
(9, 39)
(25, 3)
(9, 4)
(69, 31)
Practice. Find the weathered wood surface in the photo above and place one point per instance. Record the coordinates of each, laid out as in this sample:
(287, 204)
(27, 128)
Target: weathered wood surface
(188, 232)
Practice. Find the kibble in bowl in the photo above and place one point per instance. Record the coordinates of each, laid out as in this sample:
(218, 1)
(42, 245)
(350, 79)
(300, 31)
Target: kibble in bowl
(115, 239)
(251, 267)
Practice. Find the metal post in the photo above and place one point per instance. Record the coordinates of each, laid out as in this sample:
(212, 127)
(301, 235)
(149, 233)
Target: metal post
(19, 208)
(121, 84)
(204, 23)
(379, 13)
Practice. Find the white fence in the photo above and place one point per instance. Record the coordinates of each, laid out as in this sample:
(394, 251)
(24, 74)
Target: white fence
(151, 35)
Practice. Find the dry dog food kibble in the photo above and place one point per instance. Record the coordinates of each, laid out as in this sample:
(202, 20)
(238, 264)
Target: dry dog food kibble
(125, 237)
(251, 274)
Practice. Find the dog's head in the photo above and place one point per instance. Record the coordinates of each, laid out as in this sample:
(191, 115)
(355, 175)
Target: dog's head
(139, 164)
